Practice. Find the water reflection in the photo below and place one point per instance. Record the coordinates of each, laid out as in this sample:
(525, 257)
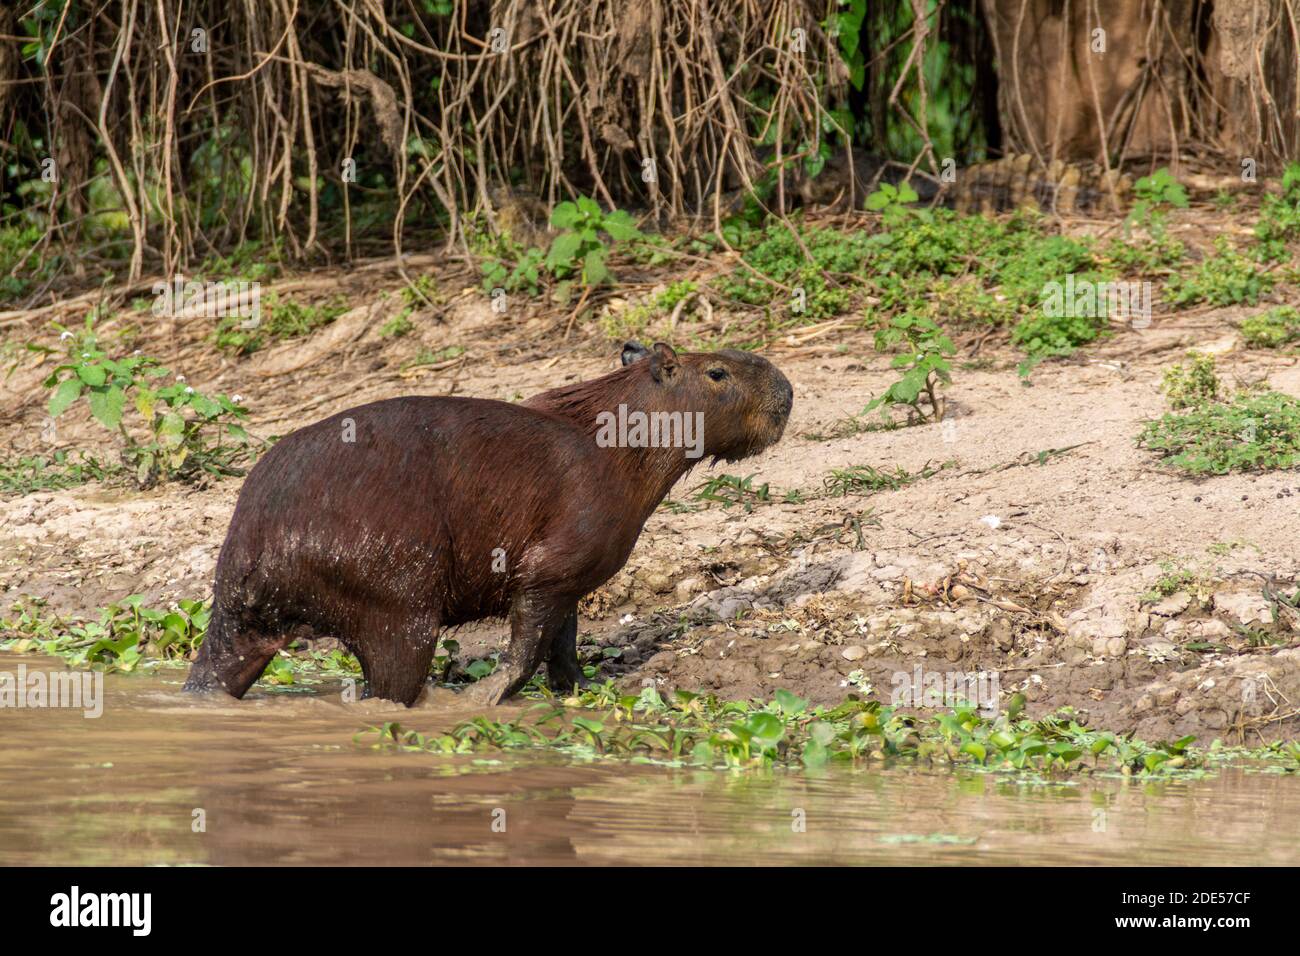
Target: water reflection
(277, 779)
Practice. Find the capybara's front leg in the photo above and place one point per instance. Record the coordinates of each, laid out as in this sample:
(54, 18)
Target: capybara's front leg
(562, 669)
(231, 659)
(395, 656)
(535, 623)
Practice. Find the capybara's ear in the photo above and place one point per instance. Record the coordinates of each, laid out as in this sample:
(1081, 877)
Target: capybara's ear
(634, 352)
(663, 363)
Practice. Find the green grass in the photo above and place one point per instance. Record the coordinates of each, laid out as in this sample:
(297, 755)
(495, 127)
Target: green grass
(281, 320)
(433, 357)
(31, 473)
(865, 479)
(396, 327)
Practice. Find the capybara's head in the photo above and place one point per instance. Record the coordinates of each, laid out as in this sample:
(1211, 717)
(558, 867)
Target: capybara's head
(743, 398)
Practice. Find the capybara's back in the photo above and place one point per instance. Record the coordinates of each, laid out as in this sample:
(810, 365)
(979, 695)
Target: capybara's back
(384, 523)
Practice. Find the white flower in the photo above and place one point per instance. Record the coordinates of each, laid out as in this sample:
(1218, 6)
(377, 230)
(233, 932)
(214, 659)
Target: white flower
(64, 335)
(189, 389)
(236, 399)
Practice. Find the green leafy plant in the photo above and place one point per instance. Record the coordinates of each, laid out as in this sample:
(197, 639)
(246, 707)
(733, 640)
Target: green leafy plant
(125, 634)
(396, 327)
(21, 269)
(1225, 278)
(1254, 432)
(1279, 218)
(809, 265)
(188, 434)
(632, 322)
(428, 357)
(924, 364)
(1154, 191)
(892, 202)
(1272, 329)
(1044, 336)
(1192, 384)
(522, 272)
(128, 634)
(579, 250)
(788, 731)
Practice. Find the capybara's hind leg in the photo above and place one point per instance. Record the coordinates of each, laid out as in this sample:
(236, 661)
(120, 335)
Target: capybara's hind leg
(562, 669)
(396, 660)
(534, 624)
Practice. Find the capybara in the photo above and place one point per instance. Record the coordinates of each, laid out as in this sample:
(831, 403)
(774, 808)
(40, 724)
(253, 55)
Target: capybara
(384, 523)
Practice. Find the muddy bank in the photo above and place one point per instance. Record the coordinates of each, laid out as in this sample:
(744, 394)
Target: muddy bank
(1042, 543)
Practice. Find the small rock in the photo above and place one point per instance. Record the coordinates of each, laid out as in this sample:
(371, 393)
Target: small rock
(854, 652)
(728, 608)
(1244, 607)
(657, 582)
(1173, 605)
(687, 587)
(661, 661)
(1211, 629)
(1100, 628)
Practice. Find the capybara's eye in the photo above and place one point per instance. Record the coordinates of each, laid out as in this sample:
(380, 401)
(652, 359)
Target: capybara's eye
(717, 374)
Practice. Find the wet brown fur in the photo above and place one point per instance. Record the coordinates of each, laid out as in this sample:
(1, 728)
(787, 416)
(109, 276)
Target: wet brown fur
(449, 510)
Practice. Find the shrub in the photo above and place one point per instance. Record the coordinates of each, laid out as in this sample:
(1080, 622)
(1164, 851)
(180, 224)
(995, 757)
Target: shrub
(1193, 384)
(186, 431)
(925, 364)
(1253, 432)
(1272, 329)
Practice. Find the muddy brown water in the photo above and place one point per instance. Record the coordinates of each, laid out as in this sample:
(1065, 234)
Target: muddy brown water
(279, 779)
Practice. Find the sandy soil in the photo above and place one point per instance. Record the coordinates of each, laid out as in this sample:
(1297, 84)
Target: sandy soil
(1036, 571)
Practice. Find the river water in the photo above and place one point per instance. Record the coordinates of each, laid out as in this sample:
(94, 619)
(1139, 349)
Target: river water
(161, 778)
